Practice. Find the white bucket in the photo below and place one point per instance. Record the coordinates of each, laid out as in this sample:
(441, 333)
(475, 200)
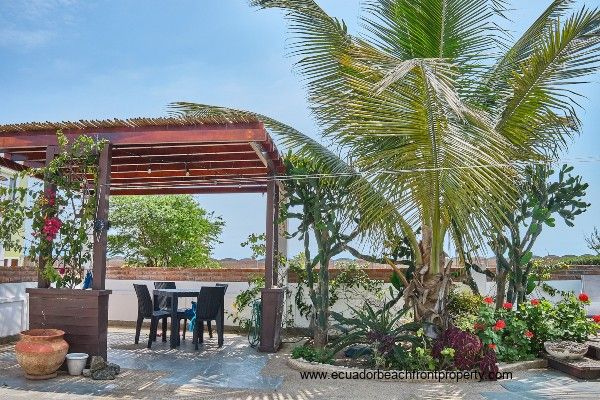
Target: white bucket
(76, 363)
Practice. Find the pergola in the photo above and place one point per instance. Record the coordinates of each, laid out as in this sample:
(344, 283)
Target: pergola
(149, 156)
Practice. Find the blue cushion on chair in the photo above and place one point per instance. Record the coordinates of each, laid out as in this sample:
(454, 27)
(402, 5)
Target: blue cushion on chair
(191, 315)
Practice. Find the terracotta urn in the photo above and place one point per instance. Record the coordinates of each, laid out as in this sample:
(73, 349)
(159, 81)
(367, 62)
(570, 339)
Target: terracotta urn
(41, 352)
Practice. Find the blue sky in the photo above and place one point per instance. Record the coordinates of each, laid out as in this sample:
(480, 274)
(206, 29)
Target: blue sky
(73, 59)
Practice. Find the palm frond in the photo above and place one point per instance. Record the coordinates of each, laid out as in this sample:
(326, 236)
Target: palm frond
(496, 83)
(541, 93)
(377, 215)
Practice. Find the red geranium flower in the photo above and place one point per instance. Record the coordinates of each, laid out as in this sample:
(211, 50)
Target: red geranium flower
(584, 297)
(507, 306)
(500, 324)
(488, 300)
(492, 346)
(596, 319)
(528, 334)
(535, 302)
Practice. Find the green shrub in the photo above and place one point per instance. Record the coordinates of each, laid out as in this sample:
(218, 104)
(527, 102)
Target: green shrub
(311, 354)
(520, 334)
(463, 303)
(504, 331)
(569, 320)
(581, 260)
(382, 330)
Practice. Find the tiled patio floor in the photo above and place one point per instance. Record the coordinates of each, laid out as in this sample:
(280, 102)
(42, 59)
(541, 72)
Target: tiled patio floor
(239, 372)
(160, 370)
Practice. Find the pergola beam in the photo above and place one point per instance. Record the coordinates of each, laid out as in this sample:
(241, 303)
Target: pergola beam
(38, 154)
(144, 174)
(199, 190)
(12, 165)
(144, 135)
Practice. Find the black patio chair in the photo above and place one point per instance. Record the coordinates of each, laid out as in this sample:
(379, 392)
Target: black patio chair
(146, 310)
(209, 307)
(164, 303)
(208, 323)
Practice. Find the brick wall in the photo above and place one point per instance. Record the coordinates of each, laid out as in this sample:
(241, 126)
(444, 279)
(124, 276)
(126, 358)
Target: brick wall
(236, 274)
(18, 274)
(233, 272)
(575, 271)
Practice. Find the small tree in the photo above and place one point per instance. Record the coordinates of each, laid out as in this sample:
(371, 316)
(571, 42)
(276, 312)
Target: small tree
(321, 217)
(593, 241)
(162, 231)
(541, 202)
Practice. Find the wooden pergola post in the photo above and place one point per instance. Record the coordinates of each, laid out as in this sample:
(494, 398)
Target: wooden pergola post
(51, 152)
(101, 222)
(271, 297)
(270, 235)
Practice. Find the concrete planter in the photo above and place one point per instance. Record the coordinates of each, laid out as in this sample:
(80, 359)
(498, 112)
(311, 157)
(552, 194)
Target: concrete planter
(41, 352)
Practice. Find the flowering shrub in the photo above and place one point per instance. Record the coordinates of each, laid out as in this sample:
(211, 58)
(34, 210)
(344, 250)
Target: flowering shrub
(569, 320)
(62, 211)
(520, 334)
(503, 332)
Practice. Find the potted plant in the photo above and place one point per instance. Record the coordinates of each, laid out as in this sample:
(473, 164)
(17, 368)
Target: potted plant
(62, 209)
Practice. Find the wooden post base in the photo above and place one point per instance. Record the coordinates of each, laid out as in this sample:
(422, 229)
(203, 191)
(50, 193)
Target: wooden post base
(271, 316)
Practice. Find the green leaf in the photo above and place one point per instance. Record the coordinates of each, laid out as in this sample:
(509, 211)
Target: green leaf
(525, 258)
(395, 281)
(531, 284)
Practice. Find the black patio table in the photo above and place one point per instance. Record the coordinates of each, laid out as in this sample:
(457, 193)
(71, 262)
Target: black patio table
(174, 295)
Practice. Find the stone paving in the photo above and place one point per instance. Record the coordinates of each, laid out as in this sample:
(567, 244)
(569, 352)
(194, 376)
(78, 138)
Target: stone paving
(236, 371)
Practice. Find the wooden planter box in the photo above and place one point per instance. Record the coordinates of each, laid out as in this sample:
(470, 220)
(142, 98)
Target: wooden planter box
(82, 314)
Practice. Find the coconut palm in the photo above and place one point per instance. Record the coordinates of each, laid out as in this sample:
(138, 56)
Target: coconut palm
(436, 114)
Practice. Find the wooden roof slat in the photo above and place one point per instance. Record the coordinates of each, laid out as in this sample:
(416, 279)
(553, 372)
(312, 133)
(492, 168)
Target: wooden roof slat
(30, 127)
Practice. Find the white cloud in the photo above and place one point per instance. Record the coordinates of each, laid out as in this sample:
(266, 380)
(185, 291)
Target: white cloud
(34, 9)
(24, 38)
(33, 23)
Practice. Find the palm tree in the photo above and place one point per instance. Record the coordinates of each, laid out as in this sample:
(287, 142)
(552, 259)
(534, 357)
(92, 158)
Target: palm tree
(436, 114)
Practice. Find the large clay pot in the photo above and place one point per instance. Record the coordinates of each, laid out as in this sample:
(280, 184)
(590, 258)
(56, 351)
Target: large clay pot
(41, 352)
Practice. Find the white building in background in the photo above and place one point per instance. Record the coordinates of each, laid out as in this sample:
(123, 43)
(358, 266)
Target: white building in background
(8, 179)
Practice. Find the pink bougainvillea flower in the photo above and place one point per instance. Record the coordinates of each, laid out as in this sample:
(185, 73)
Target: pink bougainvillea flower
(51, 227)
(50, 197)
(535, 302)
(500, 324)
(528, 334)
(584, 297)
(488, 300)
(61, 270)
(507, 306)
(596, 319)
